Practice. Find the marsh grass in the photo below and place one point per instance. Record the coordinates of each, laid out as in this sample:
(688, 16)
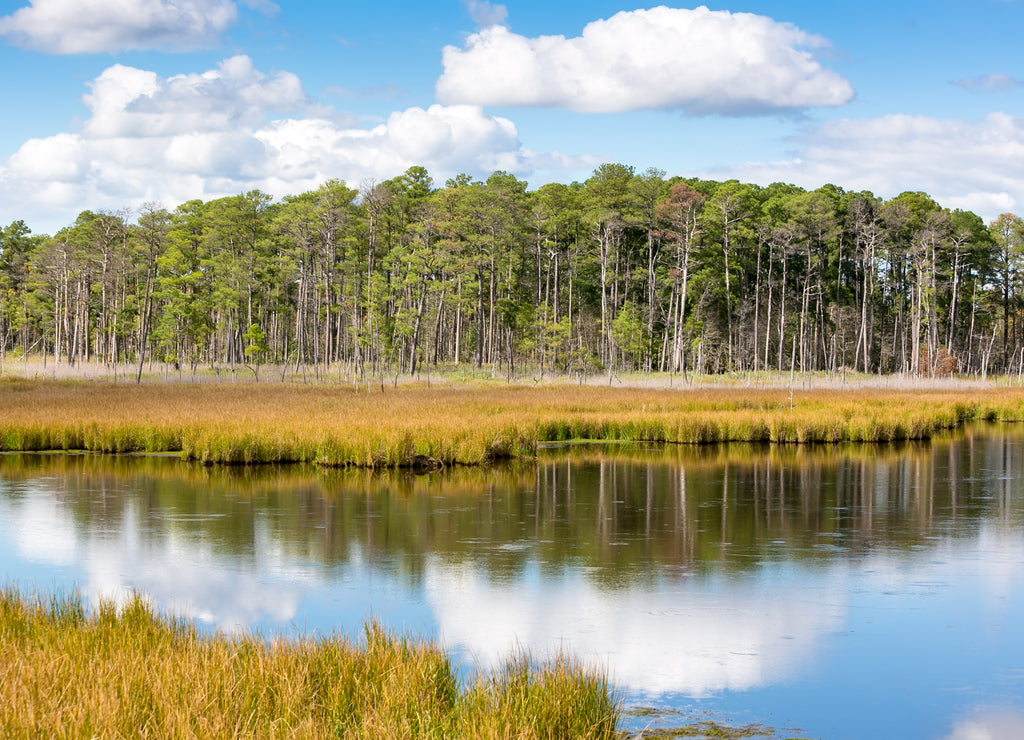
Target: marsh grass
(337, 426)
(129, 672)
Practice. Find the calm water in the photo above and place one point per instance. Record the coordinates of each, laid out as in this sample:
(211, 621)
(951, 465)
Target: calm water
(849, 592)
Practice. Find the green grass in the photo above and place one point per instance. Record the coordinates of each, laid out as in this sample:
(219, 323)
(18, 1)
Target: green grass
(330, 425)
(129, 672)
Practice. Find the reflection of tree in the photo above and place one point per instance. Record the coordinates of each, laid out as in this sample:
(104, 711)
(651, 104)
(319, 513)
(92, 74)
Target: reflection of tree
(625, 515)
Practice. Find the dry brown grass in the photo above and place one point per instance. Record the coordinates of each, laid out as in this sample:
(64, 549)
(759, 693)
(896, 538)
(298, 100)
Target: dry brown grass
(335, 425)
(131, 673)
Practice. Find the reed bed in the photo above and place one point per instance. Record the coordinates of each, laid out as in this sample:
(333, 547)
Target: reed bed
(409, 426)
(129, 672)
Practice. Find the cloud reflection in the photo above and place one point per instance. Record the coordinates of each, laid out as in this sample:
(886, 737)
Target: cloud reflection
(43, 532)
(700, 642)
(990, 724)
(178, 573)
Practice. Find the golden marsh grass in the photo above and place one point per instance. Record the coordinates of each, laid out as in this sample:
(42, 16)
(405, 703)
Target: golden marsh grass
(130, 672)
(338, 426)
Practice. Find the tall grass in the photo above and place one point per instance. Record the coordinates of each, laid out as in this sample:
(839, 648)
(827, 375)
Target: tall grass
(337, 426)
(130, 672)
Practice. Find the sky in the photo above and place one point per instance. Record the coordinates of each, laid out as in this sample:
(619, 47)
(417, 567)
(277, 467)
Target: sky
(110, 104)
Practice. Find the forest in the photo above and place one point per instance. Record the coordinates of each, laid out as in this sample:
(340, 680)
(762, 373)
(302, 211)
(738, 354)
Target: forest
(626, 272)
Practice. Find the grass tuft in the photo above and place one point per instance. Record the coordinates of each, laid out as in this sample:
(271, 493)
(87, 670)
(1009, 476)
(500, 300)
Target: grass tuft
(129, 672)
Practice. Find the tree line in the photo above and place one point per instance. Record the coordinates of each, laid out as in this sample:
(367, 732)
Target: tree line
(627, 271)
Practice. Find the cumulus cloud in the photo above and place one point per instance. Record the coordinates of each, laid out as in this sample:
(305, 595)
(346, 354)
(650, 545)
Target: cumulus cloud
(91, 26)
(234, 128)
(699, 61)
(974, 165)
(129, 102)
(451, 139)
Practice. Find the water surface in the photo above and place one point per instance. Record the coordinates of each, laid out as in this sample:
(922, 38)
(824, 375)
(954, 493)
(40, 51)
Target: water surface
(850, 591)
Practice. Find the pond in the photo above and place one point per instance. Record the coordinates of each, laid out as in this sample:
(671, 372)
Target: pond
(830, 592)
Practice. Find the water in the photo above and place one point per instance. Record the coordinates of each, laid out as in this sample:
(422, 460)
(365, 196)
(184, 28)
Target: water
(828, 592)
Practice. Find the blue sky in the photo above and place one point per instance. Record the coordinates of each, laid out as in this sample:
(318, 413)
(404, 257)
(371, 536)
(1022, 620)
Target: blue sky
(110, 105)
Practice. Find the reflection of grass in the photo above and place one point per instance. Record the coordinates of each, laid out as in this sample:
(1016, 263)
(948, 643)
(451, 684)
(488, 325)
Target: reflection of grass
(334, 426)
(132, 673)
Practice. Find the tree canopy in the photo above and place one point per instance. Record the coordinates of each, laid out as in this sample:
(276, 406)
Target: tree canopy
(625, 271)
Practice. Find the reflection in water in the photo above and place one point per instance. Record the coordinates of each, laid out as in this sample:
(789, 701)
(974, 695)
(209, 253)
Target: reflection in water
(990, 724)
(673, 639)
(695, 572)
(114, 551)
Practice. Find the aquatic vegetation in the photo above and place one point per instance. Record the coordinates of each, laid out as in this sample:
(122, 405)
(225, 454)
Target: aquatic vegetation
(338, 426)
(703, 728)
(130, 672)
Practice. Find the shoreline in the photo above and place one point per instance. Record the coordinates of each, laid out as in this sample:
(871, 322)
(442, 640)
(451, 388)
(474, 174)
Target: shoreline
(454, 376)
(422, 428)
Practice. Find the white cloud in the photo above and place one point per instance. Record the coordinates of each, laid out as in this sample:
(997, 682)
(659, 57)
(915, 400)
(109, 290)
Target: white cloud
(484, 14)
(232, 129)
(60, 158)
(991, 82)
(91, 26)
(972, 165)
(129, 102)
(446, 140)
(700, 61)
